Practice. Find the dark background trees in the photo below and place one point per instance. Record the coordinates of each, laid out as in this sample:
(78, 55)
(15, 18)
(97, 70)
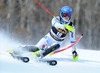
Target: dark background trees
(28, 22)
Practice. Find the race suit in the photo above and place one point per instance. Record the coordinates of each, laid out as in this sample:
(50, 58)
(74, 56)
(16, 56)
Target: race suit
(57, 34)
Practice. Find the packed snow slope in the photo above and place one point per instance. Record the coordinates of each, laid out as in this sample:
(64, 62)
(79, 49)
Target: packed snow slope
(89, 62)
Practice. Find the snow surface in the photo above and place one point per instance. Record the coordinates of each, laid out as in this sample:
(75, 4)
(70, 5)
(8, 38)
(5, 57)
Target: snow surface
(89, 61)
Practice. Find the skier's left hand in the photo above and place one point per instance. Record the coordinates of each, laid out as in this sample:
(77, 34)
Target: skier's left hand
(75, 55)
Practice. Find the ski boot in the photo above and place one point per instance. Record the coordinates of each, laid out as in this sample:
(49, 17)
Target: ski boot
(75, 55)
(30, 48)
(42, 53)
(35, 51)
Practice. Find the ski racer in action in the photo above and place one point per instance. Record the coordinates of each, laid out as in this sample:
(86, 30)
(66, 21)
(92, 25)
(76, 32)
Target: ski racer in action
(61, 26)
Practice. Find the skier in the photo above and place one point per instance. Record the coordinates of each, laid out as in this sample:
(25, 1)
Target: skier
(61, 26)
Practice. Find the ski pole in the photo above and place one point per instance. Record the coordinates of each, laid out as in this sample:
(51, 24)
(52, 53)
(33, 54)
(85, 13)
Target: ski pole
(43, 7)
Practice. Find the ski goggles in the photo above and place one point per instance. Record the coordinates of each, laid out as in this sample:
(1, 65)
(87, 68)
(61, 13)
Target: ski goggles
(65, 15)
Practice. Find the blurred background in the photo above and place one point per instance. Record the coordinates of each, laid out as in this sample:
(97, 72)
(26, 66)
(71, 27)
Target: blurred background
(27, 22)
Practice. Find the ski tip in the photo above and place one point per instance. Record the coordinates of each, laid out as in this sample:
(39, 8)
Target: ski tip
(10, 51)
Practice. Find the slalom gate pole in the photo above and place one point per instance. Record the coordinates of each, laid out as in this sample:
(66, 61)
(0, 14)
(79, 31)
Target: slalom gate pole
(68, 46)
(43, 7)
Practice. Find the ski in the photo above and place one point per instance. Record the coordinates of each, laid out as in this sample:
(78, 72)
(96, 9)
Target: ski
(26, 59)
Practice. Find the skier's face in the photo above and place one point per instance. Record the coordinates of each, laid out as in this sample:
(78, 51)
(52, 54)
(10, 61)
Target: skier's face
(66, 18)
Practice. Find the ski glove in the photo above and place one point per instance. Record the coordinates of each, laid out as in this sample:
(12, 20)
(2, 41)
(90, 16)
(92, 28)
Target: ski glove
(75, 55)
